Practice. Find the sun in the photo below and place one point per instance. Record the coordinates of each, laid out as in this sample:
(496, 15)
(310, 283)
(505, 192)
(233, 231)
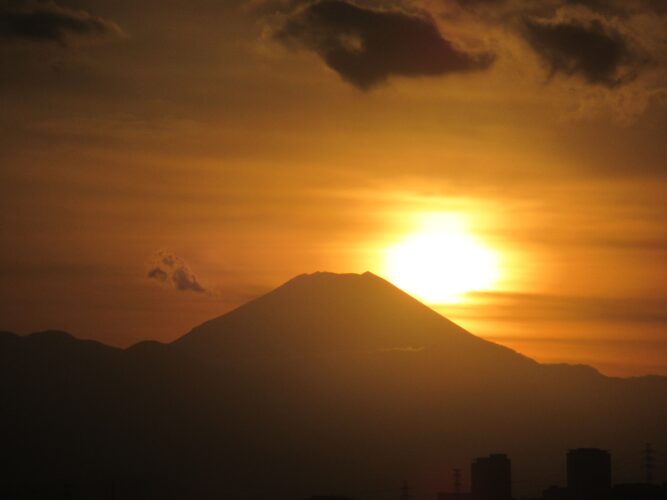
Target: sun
(441, 261)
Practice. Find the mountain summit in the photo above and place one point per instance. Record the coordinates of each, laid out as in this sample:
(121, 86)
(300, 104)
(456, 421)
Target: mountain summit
(324, 313)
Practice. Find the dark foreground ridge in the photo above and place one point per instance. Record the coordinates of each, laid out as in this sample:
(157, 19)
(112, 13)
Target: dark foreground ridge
(330, 383)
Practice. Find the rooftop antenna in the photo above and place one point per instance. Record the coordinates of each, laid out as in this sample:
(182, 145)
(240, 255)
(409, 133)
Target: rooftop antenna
(405, 491)
(457, 482)
(649, 461)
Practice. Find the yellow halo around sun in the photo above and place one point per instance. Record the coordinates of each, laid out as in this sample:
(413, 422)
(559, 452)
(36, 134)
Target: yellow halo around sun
(441, 262)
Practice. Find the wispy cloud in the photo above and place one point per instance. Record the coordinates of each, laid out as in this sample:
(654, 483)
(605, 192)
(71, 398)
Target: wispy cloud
(500, 306)
(48, 22)
(168, 268)
(598, 53)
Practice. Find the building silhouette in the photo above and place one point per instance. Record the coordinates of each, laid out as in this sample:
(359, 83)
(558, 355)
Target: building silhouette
(639, 491)
(554, 493)
(491, 478)
(588, 474)
(588, 478)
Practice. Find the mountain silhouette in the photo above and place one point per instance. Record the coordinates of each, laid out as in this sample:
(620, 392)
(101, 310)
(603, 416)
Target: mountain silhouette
(325, 313)
(329, 383)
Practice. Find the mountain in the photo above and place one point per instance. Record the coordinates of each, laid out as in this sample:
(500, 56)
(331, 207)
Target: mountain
(326, 313)
(330, 383)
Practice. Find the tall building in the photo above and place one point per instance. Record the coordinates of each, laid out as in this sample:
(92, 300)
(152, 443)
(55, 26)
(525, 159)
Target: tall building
(588, 474)
(491, 478)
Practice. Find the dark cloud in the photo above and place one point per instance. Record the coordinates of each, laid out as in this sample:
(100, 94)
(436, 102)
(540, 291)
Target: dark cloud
(183, 279)
(48, 22)
(169, 268)
(606, 43)
(623, 7)
(591, 50)
(366, 46)
(522, 7)
(158, 274)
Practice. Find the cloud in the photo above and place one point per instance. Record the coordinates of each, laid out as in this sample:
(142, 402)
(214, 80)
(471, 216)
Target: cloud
(158, 274)
(508, 306)
(510, 8)
(599, 54)
(170, 269)
(605, 46)
(610, 55)
(183, 279)
(366, 46)
(607, 42)
(48, 22)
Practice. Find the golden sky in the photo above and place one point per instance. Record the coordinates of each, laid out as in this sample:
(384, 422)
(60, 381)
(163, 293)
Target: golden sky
(248, 142)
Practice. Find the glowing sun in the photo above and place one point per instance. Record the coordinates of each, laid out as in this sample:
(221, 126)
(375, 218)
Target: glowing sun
(441, 262)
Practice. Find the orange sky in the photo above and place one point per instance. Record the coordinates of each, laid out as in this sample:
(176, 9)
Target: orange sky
(227, 134)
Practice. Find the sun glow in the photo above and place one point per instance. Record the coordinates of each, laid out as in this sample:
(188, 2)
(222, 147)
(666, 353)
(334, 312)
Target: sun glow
(441, 261)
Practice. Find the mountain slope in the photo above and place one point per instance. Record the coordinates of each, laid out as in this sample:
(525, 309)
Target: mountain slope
(325, 313)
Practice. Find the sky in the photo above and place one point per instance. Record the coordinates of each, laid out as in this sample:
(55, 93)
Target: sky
(165, 162)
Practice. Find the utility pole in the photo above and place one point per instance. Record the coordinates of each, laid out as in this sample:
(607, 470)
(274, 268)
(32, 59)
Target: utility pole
(405, 491)
(457, 483)
(649, 461)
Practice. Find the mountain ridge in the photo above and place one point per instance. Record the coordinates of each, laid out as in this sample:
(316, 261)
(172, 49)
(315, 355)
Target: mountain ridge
(328, 383)
(336, 307)
(303, 284)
